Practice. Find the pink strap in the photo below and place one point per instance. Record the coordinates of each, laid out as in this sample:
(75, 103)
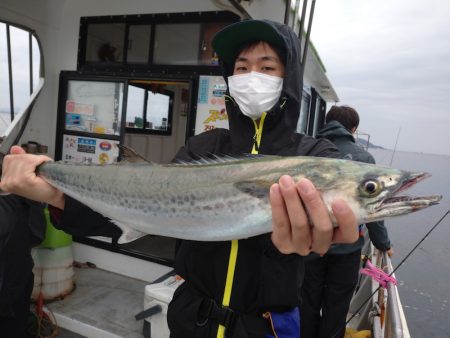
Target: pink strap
(379, 275)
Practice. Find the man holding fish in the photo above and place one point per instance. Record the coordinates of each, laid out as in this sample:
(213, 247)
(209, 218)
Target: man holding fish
(239, 287)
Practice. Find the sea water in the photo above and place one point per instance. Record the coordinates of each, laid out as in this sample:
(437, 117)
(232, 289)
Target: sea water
(424, 278)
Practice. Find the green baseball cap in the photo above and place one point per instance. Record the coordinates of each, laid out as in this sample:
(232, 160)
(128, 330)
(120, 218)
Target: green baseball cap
(227, 41)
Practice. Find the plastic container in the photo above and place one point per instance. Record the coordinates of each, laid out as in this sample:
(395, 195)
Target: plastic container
(54, 238)
(53, 272)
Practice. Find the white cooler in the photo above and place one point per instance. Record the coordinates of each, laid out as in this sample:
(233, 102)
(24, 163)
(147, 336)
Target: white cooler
(160, 294)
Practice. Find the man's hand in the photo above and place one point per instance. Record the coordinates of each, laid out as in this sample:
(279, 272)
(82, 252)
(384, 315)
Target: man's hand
(301, 223)
(19, 177)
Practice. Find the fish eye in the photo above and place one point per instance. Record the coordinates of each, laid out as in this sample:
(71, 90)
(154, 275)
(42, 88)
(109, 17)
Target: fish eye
(370, 188)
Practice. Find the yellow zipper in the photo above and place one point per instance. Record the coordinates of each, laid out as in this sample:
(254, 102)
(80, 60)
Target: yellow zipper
(258, 133)
(234, 243)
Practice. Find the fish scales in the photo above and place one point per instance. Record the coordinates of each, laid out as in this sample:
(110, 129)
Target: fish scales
(225, 199)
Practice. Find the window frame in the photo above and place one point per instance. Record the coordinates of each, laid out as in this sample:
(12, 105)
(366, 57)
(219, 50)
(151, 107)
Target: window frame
(145, 19)
(143, 129)
(31, 34)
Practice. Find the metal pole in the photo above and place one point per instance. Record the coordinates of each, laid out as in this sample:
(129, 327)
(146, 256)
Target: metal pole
(30, 44)
(286, 12)
(308, 33)
(297, 6)
(11, 91)
(302, 22)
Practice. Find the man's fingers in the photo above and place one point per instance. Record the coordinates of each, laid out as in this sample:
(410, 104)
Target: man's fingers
(322, 230)
(347, 231)
(280, 218)
(300, 228)
(17, 150)
(301, 220)
(19, 170)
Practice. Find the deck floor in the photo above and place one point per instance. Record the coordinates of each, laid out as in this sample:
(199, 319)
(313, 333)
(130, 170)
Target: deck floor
(103, 304)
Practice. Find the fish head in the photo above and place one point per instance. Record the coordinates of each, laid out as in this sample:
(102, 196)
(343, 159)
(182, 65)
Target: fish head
(373, 192)
(382, 195)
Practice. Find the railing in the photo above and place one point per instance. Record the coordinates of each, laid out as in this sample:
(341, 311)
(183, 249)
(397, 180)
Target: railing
(375, 308)
(395, 323)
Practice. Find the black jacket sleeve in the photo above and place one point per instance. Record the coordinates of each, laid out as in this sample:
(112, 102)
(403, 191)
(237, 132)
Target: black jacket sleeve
(378, 235)
(309, 146)
(79, 220)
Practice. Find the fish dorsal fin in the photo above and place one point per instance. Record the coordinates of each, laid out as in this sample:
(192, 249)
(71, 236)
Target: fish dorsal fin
(129, 155)
(219, 159)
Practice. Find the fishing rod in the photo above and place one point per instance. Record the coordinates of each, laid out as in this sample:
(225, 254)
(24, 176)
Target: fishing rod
(396, 268)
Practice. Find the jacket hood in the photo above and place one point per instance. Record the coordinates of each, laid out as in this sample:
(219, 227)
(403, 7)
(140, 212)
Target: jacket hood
(334, 130)
(281, 121)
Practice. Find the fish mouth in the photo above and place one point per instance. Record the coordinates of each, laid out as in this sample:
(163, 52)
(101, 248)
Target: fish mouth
(398, 205)
(412, 180)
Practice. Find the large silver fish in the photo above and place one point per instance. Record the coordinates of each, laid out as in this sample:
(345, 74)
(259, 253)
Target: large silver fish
(223, 199)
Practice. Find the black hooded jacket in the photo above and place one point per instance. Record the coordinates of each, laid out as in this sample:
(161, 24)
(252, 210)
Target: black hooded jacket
(345, 142)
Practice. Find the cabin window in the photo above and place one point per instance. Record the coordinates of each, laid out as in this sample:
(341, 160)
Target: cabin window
(94, 107)
(149, 108)
(20, 61)
(317, 119)
(133, 42)
(303, 119)
(194, 40)
(177, 44)
(105, 42)
(138, 49)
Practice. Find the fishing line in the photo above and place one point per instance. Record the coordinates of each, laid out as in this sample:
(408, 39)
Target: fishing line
(395, 146)
(396, 268)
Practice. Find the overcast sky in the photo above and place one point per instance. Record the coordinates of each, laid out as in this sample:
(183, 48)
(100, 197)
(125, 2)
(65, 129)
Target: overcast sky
(390, 60)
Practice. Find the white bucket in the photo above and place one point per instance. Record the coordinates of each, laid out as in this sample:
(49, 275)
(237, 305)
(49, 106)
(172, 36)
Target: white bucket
(53, 272)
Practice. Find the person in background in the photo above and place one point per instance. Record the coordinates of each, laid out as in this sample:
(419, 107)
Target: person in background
(22, 226)
(331, 279)
(236, 288)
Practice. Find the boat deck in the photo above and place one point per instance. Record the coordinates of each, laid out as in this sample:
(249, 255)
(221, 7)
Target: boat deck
(92, 310)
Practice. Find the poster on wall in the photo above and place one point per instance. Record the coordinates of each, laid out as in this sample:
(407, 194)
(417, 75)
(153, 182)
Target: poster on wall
(211, 111)
(89, 150)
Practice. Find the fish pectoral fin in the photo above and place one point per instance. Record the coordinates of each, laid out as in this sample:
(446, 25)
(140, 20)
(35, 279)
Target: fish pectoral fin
(128, 234)
(255, 188)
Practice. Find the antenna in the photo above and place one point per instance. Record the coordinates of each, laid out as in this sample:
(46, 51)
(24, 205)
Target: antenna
(395, 146)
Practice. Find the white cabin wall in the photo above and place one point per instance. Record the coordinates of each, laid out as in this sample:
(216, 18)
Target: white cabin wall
(266, 9)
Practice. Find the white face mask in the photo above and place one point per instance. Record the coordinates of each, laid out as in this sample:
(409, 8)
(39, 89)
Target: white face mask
(255, 92)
